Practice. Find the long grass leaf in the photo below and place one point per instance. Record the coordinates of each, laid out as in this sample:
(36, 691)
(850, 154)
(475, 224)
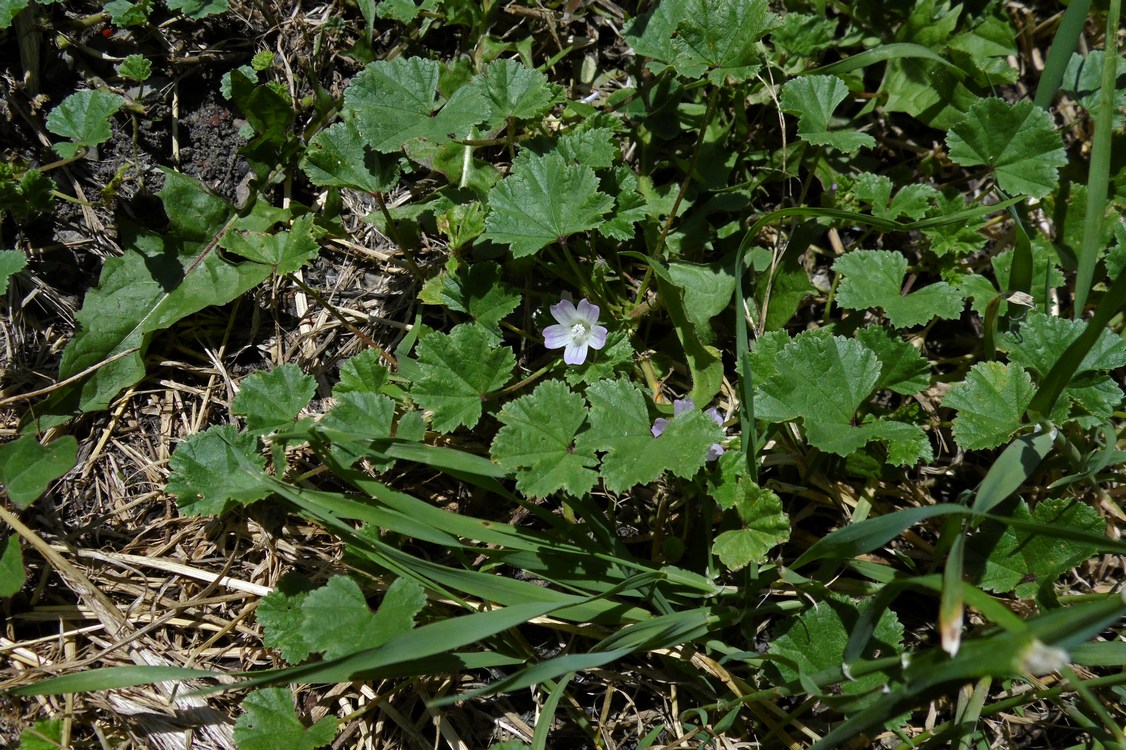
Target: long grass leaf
(1065, 42)
(1098, 174)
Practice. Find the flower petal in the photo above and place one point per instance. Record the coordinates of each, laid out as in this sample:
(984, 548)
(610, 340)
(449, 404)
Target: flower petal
(596, 337)
(659, 425)
(575, 353)
(714, 414)
(564, 312)
(556, 337)
(715, 451)
(682, 405)
(587, 312)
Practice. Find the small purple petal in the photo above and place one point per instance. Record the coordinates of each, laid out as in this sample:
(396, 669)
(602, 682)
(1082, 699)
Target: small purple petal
(715, 451)
(682, 405)
(575, 353)
(587, 311)
(659, 425)
(597, 337)
(714, 414)
(556, 337)
(564, 312)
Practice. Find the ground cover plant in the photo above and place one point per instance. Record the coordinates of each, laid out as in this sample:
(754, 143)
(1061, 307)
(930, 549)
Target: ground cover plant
(691, 373)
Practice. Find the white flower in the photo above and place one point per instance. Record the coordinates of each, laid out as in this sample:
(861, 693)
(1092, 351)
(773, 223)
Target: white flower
(577, 330)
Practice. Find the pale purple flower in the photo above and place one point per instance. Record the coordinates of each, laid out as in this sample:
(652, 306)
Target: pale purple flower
(680, 406)
(577, 330)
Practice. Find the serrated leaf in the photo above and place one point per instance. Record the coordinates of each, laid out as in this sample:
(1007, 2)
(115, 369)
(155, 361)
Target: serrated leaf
(613, 358)
(803, 35)
(27, 468)
(912, 201)
(456, 372)
(272, 400)
(336, 619)
(135, 68)
(544, 200)
(197, 9)
(907, 444)
(902, 368)
(45, 734)
(512, 90)
(84, 118)
(813, 98)
(874, 279)
(1083, 80)
(269, 722)
(1018, 141)
(338, 156)
(11, 262)
(12, 573)
(765, 527)
(396, 101)
(1011, 558)
(958, 238)
(403, 11)
(651, 34)
(818, 378)
(476, 289)
(161, 279)
(630, 206)
(286, 250)
(215, 468)
(721, 37)
(621, 426)
(538, 441)
(815, 641)
(9, 9)
(594, 147)
(279, 613)
(365, 372)
(990, 402)
(358, 418)
(1043, 338)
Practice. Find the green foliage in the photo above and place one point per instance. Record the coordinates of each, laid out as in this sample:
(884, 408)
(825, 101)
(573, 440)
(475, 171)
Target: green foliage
(334, 619)
(196, 9)
(512, 91)
(12, 573)
(126, 13)
(815, 641)
(24, 192)
(214, 469)
(457, 371)
(538, 440)
(395, 102)
(45, 734)
(823, 380)
(874, 279)
(1083, 80)
(11, 262)
(271, 400)
(135, 68)
(1017, 141)
(269, 721)
(813, 98)
(1023, 558)
(544, 200)
(286, 251)
(620, 425)
(476, 289)
(720, 37)
(84, 118)
(338, 156)
(161, 279)
(990, 403)
(764, 526)
(28, 467)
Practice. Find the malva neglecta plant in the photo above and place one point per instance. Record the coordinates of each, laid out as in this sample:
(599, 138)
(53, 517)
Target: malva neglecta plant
(826, 454)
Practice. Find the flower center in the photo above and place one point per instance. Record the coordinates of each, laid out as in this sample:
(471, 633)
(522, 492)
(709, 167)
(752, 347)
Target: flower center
(579, 331)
